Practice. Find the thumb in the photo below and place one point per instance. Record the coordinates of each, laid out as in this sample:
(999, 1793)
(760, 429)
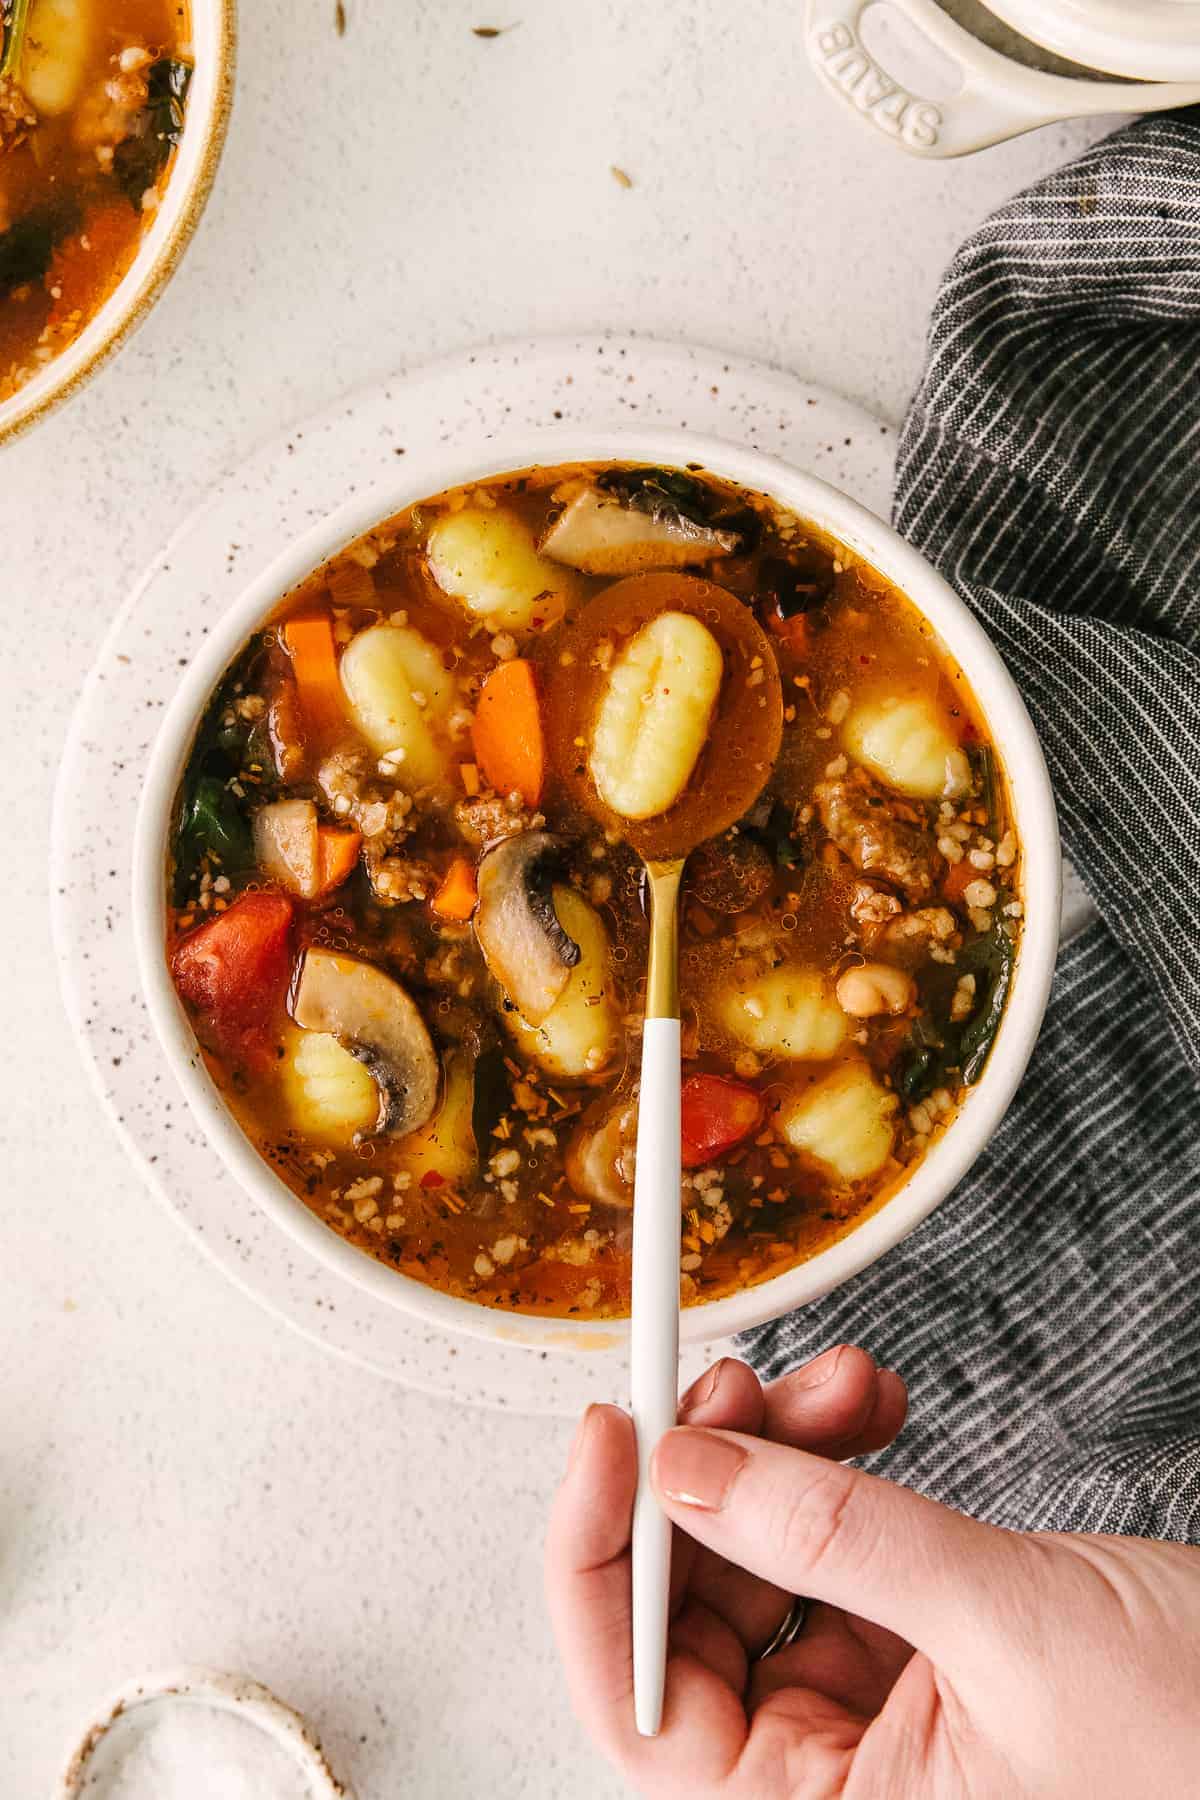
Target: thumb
(941, 1581)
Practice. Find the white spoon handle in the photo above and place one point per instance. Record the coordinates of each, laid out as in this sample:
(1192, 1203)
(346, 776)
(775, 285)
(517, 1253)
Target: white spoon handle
(654, 1355)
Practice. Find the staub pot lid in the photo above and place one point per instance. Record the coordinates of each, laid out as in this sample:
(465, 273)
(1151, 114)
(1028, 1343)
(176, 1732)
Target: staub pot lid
(1146, 40)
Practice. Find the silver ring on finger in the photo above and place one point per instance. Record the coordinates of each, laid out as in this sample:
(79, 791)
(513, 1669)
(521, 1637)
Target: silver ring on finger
(787, 1631)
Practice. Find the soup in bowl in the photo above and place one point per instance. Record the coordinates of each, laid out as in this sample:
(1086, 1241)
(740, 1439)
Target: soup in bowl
(394, 938)
(111, 116)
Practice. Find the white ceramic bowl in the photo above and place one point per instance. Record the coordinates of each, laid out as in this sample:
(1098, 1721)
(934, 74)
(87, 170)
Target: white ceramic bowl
(946, 1161)
(209, 97)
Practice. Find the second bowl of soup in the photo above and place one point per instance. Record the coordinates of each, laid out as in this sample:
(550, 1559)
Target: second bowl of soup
(112, 113)
(394, 939)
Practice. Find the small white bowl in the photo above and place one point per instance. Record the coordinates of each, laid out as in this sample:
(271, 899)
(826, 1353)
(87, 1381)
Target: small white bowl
(948, 1158)
(201, 1691)
(210, 95)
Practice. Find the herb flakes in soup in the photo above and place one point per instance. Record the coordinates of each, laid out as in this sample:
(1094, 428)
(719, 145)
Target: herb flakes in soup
(416, 964)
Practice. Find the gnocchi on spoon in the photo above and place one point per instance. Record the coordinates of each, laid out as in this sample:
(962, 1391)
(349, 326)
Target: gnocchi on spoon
(684, 717)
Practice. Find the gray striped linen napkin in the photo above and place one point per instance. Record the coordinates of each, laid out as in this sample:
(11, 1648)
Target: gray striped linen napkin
(1047, 1317)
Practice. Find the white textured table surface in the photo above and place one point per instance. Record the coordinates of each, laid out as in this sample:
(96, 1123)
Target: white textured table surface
(180, 1479)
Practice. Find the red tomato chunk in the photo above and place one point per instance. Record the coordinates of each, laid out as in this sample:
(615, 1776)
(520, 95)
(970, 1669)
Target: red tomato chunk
(717, 1113)
(235, 968)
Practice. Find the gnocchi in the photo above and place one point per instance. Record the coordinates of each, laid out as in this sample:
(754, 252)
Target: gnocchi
(446, 1145)
(56, 54)
(578, 1037)
(400, 696)
(907, 744)
(846, 1121)
(786, 1013)
(330, 1094)
(654, 714)
(487, 559)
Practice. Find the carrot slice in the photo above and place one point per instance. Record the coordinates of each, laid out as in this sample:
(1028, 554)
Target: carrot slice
(958, 879)
(507, 732)
(337, 854)
(309, 642)
(456, 896)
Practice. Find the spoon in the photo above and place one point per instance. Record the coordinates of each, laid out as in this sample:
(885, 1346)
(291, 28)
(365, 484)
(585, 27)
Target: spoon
(735, 762)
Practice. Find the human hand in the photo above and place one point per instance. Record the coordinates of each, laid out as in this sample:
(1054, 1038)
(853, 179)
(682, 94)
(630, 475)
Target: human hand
(940, 1657)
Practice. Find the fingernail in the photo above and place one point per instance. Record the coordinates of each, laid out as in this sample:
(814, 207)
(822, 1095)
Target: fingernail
(577, 1442)
(697, 1468)
(823, 1368)
(702, 1390)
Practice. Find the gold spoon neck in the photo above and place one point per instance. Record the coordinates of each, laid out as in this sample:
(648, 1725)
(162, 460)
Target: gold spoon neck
(662, 966)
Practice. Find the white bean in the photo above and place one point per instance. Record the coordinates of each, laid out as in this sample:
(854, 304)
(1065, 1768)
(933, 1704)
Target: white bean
(871, 988)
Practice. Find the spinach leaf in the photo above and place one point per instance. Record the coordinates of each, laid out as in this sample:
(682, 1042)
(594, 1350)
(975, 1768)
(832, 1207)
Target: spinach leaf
(492, 1097)
(659, 491)
(670, 494)
(987, 783)
(788, 585)
(140, 159)
(27, 247)
(16, 24)
(938, 1048)
(924, 1065)
(991, 959)
(212, 821)
(771, 825)
(211, 816)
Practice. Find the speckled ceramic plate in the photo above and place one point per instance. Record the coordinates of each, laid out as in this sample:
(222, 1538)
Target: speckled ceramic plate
(240, 528)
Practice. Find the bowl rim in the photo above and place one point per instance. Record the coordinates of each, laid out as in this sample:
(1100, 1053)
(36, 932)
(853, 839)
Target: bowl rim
(210, 100)
(946, 1160)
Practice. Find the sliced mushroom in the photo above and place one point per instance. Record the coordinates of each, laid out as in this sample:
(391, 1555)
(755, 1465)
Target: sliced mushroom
(580, 1037)
(599, 1159)
(517, 928)
(374, 1018)
(602, 534)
